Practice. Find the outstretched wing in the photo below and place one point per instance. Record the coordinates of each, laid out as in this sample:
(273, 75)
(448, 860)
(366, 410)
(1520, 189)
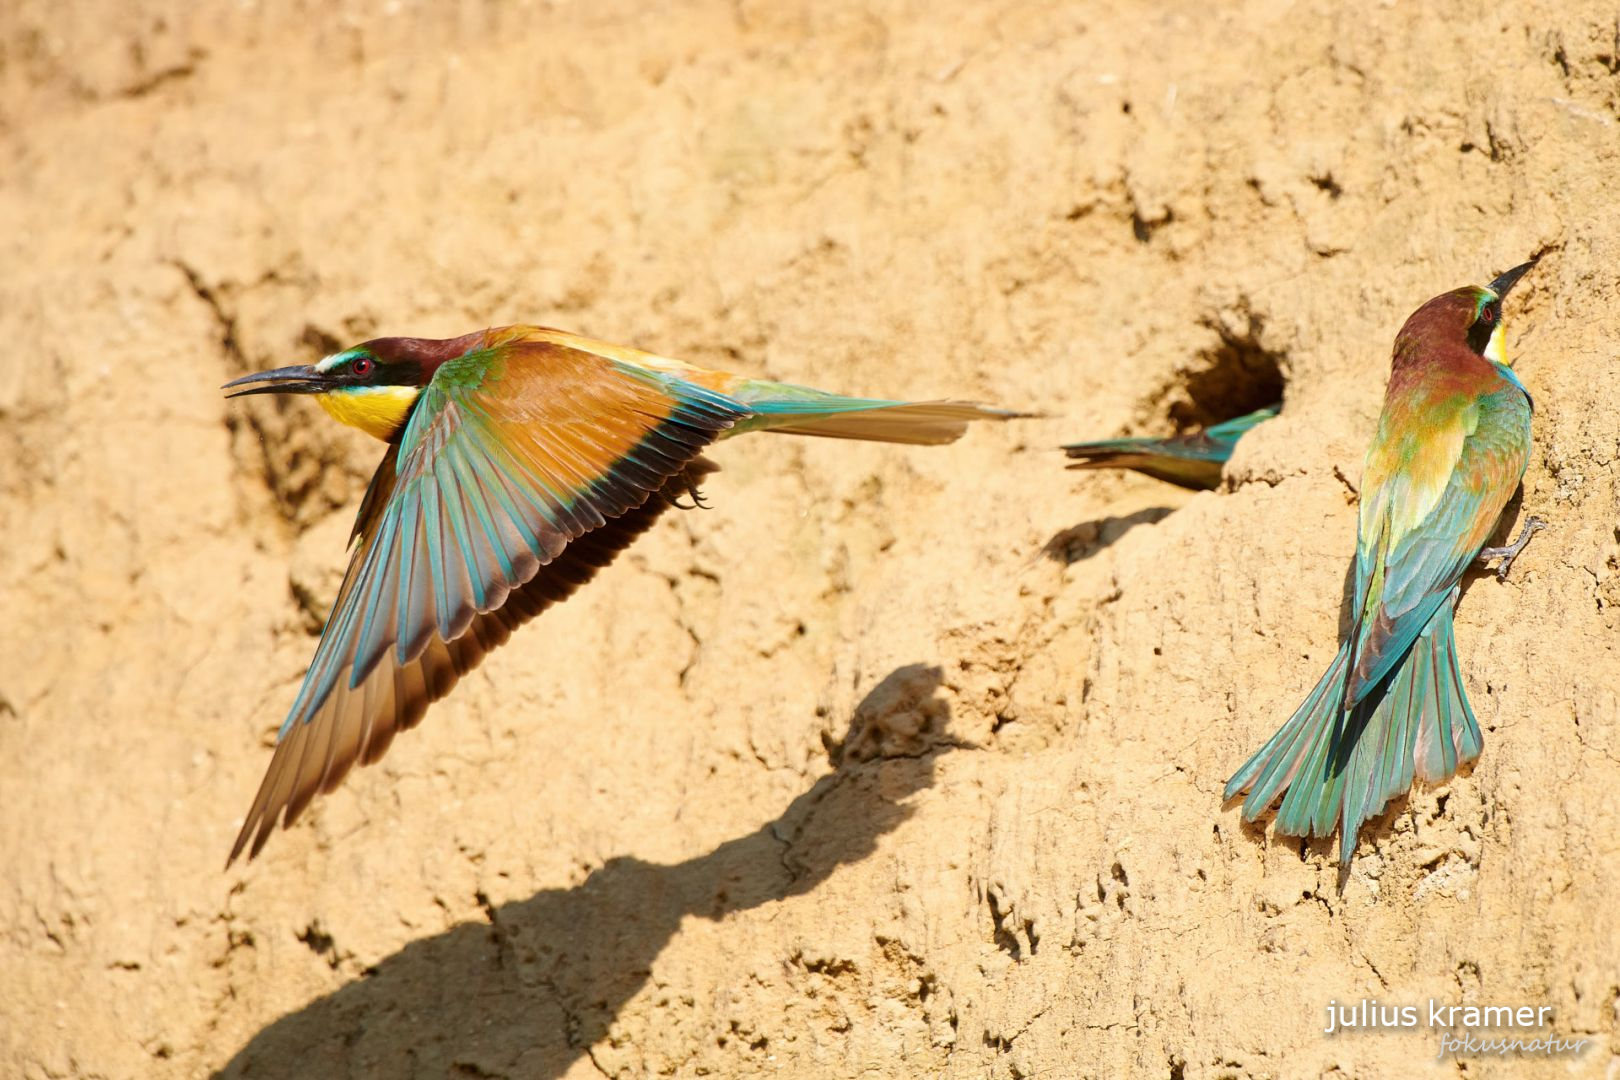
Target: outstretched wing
(1426, 521)
(526, 466)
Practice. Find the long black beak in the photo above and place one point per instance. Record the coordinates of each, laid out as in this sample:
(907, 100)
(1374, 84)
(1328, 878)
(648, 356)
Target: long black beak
(1502, 284)
(299, 379)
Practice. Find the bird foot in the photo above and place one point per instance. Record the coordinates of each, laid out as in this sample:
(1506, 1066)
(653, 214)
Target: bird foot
(694, 493)
(1508, 552)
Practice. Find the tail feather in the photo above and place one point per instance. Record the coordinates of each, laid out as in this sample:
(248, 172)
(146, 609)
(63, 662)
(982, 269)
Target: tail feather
(1342, 768)
(799, 410)
(1448, 735)
(1192, 461)
(1426, 726)
(1277, 764)
(1310, 805)
(1149, 457)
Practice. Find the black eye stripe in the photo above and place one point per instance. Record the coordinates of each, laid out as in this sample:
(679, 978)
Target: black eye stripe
(1485, 325)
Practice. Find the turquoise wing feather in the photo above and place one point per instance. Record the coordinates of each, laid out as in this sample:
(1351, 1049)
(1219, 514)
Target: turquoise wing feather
(1403, 576)
(1229, 432)
(511, 455)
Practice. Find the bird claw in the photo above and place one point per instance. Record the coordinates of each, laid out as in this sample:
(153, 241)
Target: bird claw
(694, 493)
(1508, 552)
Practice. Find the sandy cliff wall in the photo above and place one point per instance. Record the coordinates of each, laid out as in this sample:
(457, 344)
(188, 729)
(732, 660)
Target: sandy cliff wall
(896, 762)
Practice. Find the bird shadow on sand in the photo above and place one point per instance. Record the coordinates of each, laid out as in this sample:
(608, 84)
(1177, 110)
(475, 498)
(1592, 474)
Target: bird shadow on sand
(1089, 538)
(539, 984)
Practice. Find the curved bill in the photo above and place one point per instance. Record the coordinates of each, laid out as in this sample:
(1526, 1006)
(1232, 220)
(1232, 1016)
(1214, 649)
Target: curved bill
(1502, 284)
(298, 379)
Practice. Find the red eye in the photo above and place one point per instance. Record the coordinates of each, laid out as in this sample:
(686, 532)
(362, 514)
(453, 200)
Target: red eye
(1488, 315)
(361, 366)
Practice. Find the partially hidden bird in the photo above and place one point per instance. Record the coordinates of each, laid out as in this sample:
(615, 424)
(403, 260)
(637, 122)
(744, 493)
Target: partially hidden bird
(1191, 461)
(520, 461)
(1451, 448)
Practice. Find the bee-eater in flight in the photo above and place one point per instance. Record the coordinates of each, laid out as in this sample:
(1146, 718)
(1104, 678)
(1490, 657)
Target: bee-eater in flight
(1191, 461)
(1452, 445)
(520, 461)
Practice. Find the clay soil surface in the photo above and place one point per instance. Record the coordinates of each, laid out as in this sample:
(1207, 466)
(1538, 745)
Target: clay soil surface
(898, 762)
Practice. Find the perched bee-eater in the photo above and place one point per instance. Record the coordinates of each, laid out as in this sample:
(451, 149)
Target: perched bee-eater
(1452, 445)
(1191, 461)
(520, 461)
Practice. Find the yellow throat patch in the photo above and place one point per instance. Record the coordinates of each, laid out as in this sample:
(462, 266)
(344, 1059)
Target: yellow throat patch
(1496, 348)
(376, 410)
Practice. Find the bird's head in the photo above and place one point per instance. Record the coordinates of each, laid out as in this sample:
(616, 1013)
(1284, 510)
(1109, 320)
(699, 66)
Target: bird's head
(371, 386)
(1472, 314)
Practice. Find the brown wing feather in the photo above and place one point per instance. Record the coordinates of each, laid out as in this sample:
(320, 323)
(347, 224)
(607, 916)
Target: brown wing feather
(514, 452)
(357, 724)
